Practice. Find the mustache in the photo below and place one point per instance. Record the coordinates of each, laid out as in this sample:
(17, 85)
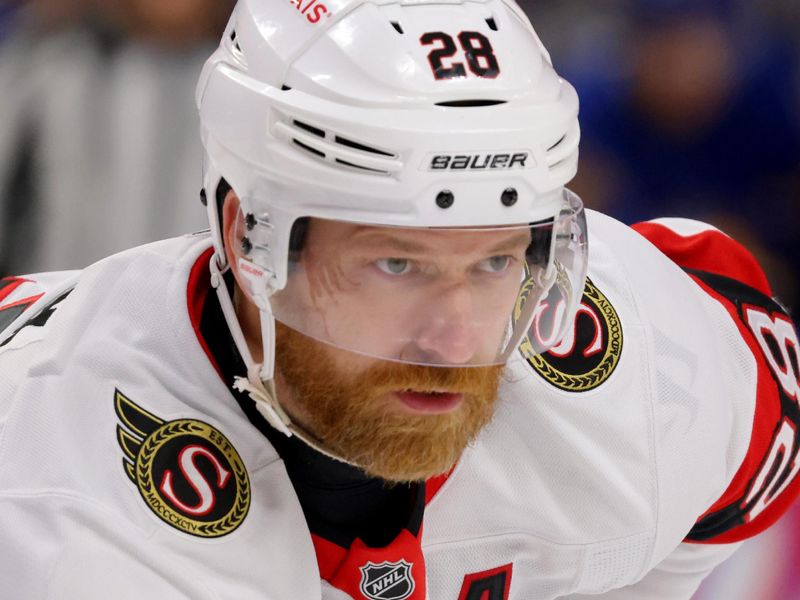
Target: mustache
(391, 377)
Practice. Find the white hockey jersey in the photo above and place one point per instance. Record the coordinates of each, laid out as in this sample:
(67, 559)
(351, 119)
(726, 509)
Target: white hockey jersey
(626, 462)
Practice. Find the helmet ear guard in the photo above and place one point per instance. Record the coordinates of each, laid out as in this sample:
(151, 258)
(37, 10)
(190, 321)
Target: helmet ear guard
(259, 380)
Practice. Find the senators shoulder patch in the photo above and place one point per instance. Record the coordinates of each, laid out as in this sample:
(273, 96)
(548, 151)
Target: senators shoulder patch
(186, 471)
(590, 351)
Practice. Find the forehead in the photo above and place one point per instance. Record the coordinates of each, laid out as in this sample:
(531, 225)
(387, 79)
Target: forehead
(337, 235)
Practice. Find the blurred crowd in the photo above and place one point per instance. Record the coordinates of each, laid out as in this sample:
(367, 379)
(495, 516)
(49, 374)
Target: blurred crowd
(689, 108)
(99, 145)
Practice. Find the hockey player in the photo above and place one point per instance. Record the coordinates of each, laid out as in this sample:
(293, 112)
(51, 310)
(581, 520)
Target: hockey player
(385, 374)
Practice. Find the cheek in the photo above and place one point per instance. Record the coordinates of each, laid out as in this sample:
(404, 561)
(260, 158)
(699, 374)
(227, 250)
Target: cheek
(348, 365)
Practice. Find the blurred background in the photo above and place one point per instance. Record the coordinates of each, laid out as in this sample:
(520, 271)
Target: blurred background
(689, 108)
(99, 141)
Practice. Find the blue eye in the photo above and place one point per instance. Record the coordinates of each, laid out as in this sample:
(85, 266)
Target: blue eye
(495, 264)
(394, 266)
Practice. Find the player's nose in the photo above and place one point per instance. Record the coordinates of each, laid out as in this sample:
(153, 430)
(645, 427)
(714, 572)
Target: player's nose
(446, 331)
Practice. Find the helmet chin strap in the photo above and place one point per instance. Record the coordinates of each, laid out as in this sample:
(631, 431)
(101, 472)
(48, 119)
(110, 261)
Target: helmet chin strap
(260, 381)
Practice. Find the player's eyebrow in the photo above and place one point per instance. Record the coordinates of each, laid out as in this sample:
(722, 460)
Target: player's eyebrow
(387, 240)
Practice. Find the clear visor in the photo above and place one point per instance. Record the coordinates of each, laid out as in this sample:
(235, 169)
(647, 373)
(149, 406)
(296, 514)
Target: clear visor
(435, 296)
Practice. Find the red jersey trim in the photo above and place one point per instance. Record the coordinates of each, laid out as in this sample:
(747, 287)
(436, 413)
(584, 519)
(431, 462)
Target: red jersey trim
(196, 293)
(24, 302)
(762, 488)
(11, 285)
(767, 413)
(434, 484)
(488, 584)
(348, 569)
(766, 483)
(711, 251)
(331, 556)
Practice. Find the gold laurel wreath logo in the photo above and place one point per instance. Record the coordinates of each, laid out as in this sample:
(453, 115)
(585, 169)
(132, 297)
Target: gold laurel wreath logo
(144, 476)
(142, 435)
(594, 378)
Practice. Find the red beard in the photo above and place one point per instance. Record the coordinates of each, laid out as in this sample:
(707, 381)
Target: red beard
(354, 413)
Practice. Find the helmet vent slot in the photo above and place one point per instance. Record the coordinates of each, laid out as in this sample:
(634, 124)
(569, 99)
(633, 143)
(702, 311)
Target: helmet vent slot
(362, 147)
(397, 27)
(560, 152)
(337, 151)
(235, 48)
(470, 103)
(309, 148)
(557, 144)
(361, 167)
(492, 23)
(310, 128)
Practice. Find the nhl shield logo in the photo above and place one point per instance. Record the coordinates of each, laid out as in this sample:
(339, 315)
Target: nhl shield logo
(387, 580)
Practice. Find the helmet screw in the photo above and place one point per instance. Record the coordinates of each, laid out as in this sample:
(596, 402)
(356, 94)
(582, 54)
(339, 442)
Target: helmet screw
(509, 197)
(445, 199)
(247, 245)
(250, 221)
(203, 197)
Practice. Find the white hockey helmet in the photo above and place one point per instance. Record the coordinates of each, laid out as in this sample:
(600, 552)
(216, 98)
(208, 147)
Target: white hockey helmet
(421, 116)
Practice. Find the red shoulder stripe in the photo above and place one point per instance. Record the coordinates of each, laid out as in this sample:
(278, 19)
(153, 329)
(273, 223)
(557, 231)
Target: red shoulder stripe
(8, 286)
(767, 482)
(434, 484)
(767, 414)
(711, 251)
(196, 293)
